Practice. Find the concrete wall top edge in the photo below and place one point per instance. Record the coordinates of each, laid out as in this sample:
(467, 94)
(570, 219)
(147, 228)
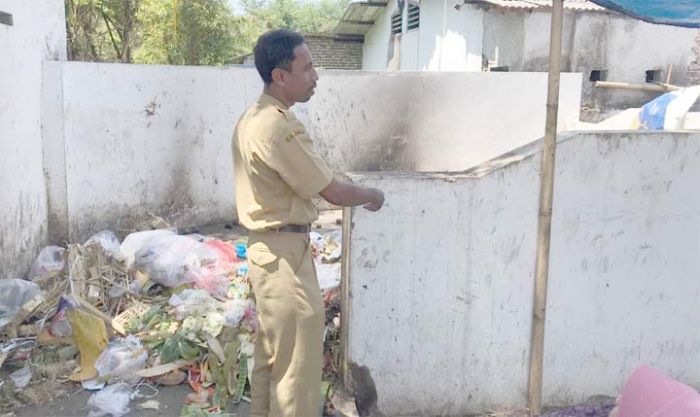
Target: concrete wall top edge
(404, 73)
(122, 65)
(517, 155)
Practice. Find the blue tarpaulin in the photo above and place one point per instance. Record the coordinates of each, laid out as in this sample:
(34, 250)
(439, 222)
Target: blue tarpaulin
(684, 13)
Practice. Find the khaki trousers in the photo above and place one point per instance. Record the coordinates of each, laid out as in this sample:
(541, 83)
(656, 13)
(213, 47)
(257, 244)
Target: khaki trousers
(286, 380)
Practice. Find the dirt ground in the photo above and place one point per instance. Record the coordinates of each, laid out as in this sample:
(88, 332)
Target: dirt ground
(74, 404)
(171, 399)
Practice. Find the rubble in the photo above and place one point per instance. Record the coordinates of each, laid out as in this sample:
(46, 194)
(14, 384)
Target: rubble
(158, 308)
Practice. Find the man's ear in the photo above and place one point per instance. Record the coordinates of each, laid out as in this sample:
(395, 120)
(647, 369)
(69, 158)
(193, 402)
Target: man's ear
(278, 77)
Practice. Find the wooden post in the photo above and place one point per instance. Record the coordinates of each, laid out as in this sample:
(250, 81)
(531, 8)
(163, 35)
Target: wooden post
(545, 217)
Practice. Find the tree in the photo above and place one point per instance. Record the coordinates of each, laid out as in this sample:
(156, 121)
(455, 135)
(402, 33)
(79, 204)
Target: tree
(100, 30)
(191, 32)
(185, 32)
(83, 30)
(119, 17)
(304, 16)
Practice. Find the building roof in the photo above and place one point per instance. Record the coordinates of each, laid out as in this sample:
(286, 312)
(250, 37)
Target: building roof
(359, 17)
(577, 5)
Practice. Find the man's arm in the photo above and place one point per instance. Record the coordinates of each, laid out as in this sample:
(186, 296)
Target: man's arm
(349, 195)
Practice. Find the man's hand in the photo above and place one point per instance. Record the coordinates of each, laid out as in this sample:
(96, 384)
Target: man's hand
(377, 201)
(350, 195)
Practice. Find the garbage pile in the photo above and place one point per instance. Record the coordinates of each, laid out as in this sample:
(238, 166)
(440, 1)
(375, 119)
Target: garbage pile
(156, 309)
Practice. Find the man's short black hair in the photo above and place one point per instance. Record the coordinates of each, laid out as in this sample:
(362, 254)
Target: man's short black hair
(275, 49)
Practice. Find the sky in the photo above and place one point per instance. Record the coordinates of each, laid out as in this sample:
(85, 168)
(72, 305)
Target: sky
(236, 6)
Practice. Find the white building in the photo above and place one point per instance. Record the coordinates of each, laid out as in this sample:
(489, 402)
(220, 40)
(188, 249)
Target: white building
(513, 35)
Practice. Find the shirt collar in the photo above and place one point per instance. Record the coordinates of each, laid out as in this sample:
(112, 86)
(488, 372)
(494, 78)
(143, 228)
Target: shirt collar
(268, 99)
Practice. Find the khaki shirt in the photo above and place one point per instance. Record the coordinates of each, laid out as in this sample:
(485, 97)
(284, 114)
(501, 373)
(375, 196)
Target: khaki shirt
(276, 169)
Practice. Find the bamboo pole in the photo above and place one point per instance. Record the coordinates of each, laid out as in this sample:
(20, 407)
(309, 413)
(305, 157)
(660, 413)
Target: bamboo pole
(636, 87)
(545, 213)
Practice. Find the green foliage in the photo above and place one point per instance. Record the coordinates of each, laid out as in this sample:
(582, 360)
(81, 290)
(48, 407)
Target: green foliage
(191, 32)
(306, 16)
(185, 32)
(177, 347)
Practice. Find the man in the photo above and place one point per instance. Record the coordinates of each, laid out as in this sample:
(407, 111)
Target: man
(277, 173)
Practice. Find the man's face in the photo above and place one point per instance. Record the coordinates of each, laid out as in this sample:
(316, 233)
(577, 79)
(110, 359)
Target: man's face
(300, 80)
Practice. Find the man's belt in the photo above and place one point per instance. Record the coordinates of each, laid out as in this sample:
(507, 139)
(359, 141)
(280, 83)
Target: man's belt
(294, 228)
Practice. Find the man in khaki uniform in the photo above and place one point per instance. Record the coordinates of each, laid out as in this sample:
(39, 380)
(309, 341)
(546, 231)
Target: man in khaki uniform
(277, 173)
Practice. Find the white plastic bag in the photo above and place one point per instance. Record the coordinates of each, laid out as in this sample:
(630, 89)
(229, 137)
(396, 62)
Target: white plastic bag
(234, 310)
(21, 377)
(668, 111)
(50, 259)
(113, 401)
(194, 302)
(169, 260)
(136, 241)
(316, 239)
(60, 326)
(122, 357)
(108, 241)
(216, 264)
(14, 293)
(328, 275)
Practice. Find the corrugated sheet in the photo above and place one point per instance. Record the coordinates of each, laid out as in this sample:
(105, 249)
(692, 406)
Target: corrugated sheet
(581, 5)
(359, 17)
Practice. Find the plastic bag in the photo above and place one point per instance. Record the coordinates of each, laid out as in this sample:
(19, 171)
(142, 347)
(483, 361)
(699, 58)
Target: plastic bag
(225, 251)
(21, 377)
(667, 112)
(108, 241)
(212, 283)
(60, 325)
(170, 260)
(317, 241)
(50, 259)
(112, 400)
(218, 264)
(328, 275)
(122, 357)
(90, 334)
(14, 293)
(241, 250)
(193, 302)
(234, 311)
(137, 241)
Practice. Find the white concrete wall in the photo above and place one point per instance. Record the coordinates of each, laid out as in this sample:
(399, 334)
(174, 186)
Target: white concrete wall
(37, 34)
(451, 39)
(422, 121)
(378, 40)
(447, 39)
(125, 140)
(410, 49)
(142, 139)
(592, 40)
(444, 274)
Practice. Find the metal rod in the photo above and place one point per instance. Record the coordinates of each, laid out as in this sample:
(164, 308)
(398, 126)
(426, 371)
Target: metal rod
(545, 213)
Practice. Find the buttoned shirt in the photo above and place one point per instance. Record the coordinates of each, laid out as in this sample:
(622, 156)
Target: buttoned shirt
(276, 169)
